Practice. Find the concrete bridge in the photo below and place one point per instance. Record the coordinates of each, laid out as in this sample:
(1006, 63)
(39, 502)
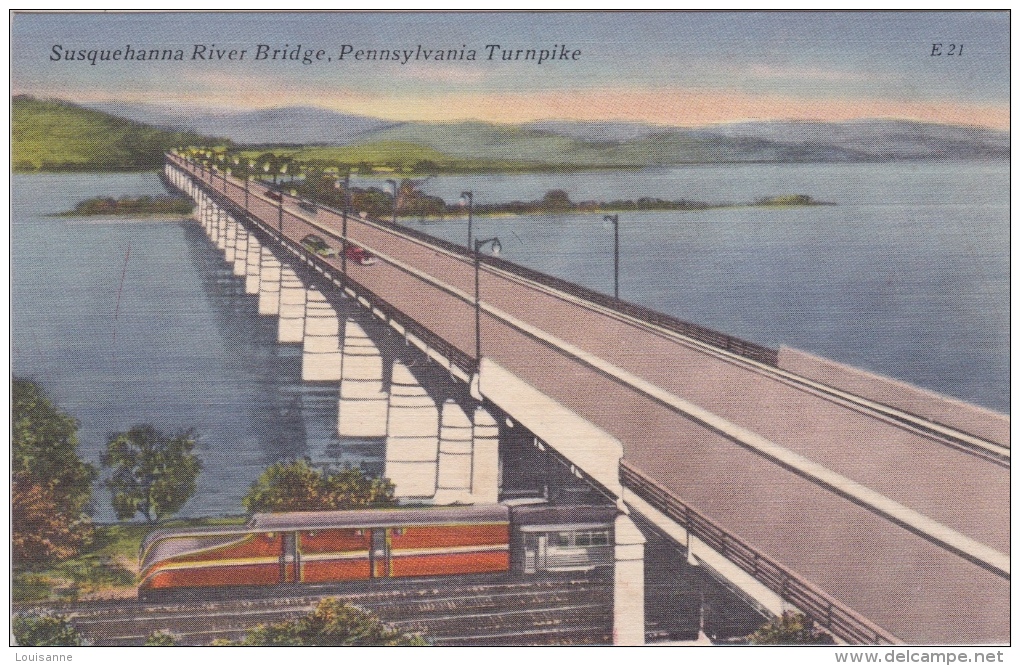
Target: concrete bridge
(879, 509)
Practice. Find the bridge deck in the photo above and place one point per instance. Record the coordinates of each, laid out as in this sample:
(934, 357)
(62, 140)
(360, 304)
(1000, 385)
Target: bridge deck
(909, 585)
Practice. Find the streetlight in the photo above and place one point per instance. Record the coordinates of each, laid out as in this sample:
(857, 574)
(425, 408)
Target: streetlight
(615, 219)
(470, 197)
(393, 183)
(247, 181)
(343, 234)
(496, 247)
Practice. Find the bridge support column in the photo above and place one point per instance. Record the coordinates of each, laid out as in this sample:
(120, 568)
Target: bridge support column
(321, 360)
(221, 229)
(241, 252)
(207, 215)
(628, 583)
(292, 307)
(213, 215)
(269, 284)
(485, 458)
(363, 403)
(412, 436)
(230, 241)
(453, 480)
(253, 268)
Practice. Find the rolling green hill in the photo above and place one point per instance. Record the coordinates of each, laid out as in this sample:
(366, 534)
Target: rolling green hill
(507, 143)
(59, 136)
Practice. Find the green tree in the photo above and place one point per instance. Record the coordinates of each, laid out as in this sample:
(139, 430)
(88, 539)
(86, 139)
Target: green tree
(299, 486)
(556, 201)
(790, 629)
(332, 623)
(50, 485)
(44, 631)
(154, 472)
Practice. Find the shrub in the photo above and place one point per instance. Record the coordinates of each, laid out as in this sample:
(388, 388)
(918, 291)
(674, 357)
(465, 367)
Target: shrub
(44, 631)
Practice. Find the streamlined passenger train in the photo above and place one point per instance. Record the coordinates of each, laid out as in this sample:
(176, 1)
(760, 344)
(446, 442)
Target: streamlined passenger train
(333, 546)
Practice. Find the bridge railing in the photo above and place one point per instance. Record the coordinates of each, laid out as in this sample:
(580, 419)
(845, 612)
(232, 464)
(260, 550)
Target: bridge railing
(732, 344)
(826, 611)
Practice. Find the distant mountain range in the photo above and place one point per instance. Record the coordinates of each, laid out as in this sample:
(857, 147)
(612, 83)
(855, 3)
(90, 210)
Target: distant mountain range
(590, 143)
(299, 125)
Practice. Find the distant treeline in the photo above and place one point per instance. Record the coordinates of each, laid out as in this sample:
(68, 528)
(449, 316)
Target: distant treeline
(162, 205)
(412, 202)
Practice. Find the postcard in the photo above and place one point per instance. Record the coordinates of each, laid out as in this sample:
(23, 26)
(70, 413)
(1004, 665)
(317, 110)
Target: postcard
(511, 328)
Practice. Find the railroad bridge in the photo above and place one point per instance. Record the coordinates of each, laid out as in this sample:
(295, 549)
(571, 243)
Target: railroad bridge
(879, 509)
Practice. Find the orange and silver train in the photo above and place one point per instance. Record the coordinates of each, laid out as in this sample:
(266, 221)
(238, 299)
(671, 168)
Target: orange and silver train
(330, 546)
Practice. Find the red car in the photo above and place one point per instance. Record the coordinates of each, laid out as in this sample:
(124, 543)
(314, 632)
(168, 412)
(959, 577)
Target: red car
(360, 256)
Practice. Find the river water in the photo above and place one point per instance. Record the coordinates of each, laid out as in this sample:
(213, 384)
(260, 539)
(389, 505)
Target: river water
(124, 322)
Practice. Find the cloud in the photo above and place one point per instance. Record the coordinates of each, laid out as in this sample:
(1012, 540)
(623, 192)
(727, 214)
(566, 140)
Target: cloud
(773, 72)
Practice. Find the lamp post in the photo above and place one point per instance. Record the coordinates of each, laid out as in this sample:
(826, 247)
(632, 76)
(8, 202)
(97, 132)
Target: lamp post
(615, 219)
(343, 233)
(247, 182)
(393, 184)
(496, 247)
(470, 197)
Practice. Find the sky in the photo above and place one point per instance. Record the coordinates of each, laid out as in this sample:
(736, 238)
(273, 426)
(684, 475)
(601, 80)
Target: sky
(675, 68)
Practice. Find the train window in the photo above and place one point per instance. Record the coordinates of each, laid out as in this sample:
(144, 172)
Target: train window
(592, 538)
(561, 539)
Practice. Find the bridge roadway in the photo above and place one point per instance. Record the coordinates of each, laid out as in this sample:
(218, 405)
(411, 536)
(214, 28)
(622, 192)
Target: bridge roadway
(903, 577)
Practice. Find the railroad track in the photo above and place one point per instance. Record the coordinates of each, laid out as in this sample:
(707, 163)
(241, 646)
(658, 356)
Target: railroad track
(548, 611)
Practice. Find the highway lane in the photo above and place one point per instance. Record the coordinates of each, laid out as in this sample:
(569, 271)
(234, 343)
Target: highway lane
(874, 452)
(782, 514)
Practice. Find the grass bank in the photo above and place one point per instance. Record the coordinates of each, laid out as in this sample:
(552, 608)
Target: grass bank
(106, 569)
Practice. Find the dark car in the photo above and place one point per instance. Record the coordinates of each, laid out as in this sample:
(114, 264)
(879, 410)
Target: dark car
(360, 255)
(317, 245)
(274, 195)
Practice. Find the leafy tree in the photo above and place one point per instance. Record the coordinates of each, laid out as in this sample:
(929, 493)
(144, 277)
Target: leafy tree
(44, 447)
(557, 201)
(332, 623)
(44, 631)
(790, 629)
(41, 531)
(50, 485)
(298, 486)
(154, 472)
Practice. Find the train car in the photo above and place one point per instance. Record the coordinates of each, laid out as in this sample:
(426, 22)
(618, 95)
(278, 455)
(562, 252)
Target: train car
(327, 546)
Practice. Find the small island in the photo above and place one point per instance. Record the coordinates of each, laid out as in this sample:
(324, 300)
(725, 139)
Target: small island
(162, 206)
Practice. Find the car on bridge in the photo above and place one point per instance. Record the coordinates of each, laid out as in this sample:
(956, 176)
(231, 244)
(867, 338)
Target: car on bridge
(316, 245)
(360, 255)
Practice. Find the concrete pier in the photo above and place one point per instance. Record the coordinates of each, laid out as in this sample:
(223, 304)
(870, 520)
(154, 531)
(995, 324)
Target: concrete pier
(412, 436)
(269, 284)
(291, 327)
(230, 241)
(628, 583)
(363, 404)
(485, 458)
(241, 252)
(321, 360)
(455, 450)
(254, 264)
(221, 229)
